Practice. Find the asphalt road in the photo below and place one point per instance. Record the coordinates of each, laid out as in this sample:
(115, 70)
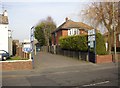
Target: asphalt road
(55, 70)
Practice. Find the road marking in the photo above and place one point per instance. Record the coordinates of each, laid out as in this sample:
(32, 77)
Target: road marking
(96, 83)
(63, 72)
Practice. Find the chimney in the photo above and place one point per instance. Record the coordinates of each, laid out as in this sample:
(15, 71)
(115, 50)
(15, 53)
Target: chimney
(5, 13)
(66, 19)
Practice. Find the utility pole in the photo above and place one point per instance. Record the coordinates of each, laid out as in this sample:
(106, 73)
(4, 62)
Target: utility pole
(114, 31)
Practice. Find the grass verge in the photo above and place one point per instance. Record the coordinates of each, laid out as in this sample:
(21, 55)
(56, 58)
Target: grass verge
(17, 58)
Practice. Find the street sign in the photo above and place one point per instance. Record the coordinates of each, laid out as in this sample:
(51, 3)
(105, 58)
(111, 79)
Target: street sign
(91, 44)
(91, 38)
(91, 32)
(92, 41)
(26, 49)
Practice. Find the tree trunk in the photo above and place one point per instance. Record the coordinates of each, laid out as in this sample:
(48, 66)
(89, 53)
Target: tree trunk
(109, 42)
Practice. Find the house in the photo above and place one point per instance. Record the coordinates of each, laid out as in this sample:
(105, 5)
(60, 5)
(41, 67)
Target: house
(112, 40)
(10, 48)
(69, 28)
(4, 31)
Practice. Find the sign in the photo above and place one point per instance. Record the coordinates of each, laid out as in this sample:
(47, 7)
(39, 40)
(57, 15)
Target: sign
(0, 56)
(26, 45)
(26, 49)
(32, 38)
(91, 38)
(91, 32)
(91, 44)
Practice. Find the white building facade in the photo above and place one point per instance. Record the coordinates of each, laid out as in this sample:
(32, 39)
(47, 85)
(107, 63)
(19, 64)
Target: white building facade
(4, 31)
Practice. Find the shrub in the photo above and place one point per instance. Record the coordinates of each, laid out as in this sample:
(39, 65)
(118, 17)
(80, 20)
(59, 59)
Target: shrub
(100, 44)
(79, 43)
(74, 43)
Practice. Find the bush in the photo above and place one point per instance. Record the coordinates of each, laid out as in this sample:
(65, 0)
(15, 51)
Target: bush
(100, 45)
(74, 43)
(79, 43)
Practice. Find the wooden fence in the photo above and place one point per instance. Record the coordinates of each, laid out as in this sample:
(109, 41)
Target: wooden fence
(20, 53)
(80, 55)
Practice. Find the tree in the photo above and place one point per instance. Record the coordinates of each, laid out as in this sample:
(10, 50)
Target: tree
(101, 13)
(47, 26)
(39, 34)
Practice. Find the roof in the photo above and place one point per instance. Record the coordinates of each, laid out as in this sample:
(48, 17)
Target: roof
(71, 24)
(3, 19)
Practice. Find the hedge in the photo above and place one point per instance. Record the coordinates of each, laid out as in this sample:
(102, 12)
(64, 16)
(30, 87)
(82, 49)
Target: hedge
(80, 43)
(100, 45)
(74, 43)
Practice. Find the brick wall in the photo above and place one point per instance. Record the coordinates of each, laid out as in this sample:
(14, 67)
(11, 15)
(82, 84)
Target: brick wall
(64, 32)
(16, 65)
(83, 32)
(104, 59)
(58, 36)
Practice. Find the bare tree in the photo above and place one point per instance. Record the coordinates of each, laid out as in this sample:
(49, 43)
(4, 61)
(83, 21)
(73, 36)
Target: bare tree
(101, 13)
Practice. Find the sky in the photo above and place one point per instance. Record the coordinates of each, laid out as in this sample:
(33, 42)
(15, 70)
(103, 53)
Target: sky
(23, 15)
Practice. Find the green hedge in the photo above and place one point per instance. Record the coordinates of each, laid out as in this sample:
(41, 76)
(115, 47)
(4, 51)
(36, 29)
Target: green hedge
(74, 43)
(100, 45)
(79, 43)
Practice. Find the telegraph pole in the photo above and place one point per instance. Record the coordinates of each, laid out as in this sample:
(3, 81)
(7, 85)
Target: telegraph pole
(114, 31)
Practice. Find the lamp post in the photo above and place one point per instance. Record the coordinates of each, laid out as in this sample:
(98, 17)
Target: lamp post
(32, 44)
(114, 31)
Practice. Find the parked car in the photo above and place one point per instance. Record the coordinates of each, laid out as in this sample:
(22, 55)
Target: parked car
(38, 49)
(4, 55)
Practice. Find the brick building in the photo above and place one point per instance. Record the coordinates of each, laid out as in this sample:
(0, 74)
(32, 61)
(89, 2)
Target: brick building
(112, 39)
(69, 28)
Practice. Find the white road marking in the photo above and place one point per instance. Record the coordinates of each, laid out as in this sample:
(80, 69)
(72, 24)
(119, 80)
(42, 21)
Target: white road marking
(96, 83)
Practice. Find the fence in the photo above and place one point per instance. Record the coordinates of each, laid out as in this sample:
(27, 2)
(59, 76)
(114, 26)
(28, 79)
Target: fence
(22, 54)
(80, 55)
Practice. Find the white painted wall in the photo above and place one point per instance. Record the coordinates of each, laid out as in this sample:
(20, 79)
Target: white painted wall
(10, 49)
(4, 37)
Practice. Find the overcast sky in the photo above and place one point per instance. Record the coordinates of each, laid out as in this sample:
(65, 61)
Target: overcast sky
(24, 15)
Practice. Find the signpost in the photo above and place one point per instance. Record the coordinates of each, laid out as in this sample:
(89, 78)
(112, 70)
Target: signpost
(92, 41)
(32, 44)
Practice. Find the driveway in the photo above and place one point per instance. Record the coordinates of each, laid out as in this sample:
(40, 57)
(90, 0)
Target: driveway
(47, 61)
(57, 70)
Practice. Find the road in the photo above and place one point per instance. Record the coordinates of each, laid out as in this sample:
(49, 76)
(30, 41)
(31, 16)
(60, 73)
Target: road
(57, 70)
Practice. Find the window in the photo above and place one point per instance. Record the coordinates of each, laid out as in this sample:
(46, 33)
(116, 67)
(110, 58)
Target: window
(5, 26)
(73, 31)
(78, 32)
(70, 32)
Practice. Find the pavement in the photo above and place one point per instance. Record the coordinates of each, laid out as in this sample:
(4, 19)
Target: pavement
(57, 70)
